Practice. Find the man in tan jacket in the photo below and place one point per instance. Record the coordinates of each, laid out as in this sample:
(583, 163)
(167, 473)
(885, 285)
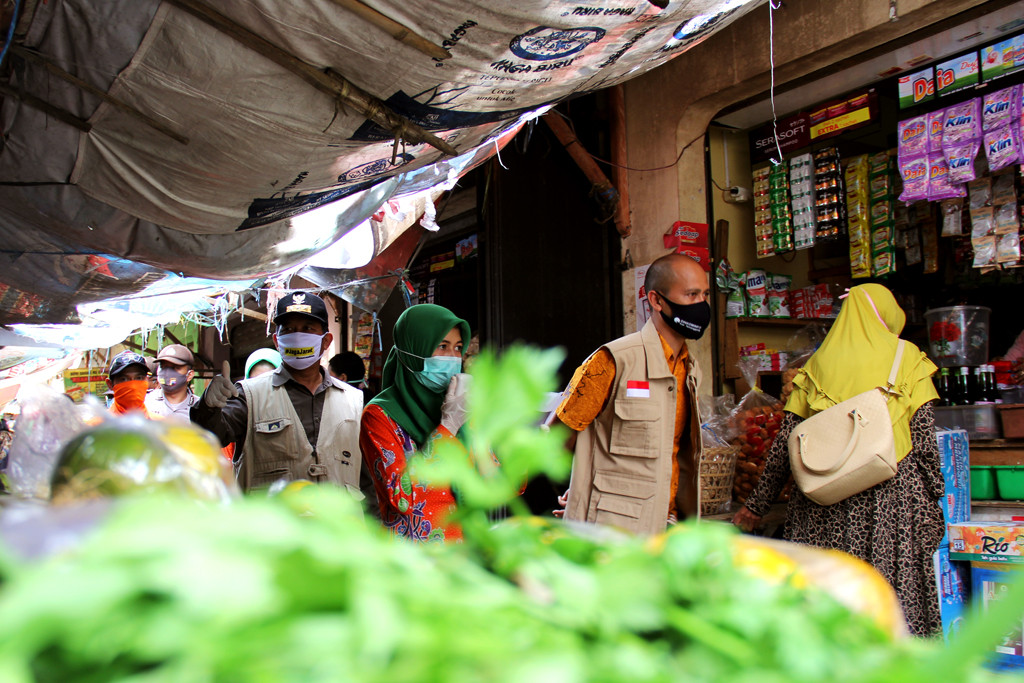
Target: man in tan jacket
(633, 409)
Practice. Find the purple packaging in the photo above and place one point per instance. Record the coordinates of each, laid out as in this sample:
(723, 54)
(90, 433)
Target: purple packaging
(913, 138)
(914, 170)
(939, 187)
(960, 159)
(1002, 147)
(997, 108)
(936, 119)
(962, 123)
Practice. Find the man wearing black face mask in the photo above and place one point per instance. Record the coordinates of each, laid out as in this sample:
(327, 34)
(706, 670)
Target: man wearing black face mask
(174, 373)
(633, 408)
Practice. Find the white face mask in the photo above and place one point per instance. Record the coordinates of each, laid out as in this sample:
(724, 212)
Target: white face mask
(300, 350)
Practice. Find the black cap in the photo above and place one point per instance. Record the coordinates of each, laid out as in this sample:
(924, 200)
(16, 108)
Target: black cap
(123, 360)
(302, 303)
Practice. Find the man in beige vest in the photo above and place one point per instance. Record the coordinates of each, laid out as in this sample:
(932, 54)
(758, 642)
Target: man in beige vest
(297, 422)
(633, 409)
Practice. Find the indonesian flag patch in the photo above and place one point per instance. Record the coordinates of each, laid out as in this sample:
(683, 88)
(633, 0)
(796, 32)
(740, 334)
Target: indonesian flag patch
(636, 389)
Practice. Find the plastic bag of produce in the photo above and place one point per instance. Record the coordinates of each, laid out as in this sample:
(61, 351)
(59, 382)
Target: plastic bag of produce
(755, 422)
(48, 421)
(128, 455)
(718, 455)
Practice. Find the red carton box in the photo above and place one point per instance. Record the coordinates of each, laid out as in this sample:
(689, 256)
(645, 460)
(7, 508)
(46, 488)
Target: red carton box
(685, 232)
(698, 254)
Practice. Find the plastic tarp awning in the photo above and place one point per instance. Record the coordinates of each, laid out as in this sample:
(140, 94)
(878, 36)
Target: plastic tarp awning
(205, 148)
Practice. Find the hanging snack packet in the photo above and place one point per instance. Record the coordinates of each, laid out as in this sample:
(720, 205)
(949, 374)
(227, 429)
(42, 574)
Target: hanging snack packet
(982, 221)
(914, 171)
(879, 164)
(757, 294)
(939, 187)
(997, 109)
(962, 123)
(1001, 147)
(1006, 221)
(1003, 191)
(960, 159)
(984, 251)
(881, 238)
(936, 120)
(883, 263)
(913, 136)
(1008, 249)
(778, 296)
(860, 260)
(952, 210)
(981, 192)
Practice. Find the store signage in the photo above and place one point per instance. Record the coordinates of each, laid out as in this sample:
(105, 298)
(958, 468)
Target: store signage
(917, 87)
(1005, 57)
(86, 381)
(841, 123)
(794, 133)
(956, 74)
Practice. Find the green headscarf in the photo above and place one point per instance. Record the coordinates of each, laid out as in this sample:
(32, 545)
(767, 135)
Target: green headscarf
(403, 398)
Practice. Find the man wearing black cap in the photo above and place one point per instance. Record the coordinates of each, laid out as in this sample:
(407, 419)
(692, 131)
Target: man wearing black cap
(175, 371)
(127, 378)
(297, 422)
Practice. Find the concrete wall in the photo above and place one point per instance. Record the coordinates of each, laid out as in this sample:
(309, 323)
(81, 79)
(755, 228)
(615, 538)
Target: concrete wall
(668, 110)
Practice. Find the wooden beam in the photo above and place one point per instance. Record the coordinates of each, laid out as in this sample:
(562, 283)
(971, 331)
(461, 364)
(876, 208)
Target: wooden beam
(394, 29)
(89, 88)
(580, 155)
(327, 81)
(253, 313)
(620, 176)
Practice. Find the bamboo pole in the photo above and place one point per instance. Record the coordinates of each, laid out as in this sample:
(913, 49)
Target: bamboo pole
(89, 88)
(50, 109)
(394, 29)
(326, 81)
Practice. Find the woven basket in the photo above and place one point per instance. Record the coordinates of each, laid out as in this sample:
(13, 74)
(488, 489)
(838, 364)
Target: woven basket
(717, 470)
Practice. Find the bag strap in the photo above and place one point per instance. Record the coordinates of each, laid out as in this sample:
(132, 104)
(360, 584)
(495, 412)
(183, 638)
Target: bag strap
(895, 366)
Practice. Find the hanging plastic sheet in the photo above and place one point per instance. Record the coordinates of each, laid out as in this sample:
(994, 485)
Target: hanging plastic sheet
(199, 135)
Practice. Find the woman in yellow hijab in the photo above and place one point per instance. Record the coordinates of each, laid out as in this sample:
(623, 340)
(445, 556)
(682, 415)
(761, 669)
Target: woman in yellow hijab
(897, 525)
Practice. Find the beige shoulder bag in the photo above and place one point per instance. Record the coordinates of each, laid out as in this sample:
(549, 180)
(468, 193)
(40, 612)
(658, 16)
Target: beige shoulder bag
(847, 448)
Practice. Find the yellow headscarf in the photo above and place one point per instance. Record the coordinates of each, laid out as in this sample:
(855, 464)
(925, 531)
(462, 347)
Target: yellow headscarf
(857, 355)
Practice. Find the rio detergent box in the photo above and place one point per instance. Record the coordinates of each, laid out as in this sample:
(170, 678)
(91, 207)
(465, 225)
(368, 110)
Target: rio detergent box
(987, 541)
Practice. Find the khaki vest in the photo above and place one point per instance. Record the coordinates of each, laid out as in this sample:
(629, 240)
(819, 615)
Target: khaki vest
(622, 466)
(276, 446)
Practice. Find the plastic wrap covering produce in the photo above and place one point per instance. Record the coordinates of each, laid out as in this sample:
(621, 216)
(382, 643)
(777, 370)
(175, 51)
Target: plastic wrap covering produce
(718, 455)
(755, 422)
(296, 587)
(153, 131)
(132, 455)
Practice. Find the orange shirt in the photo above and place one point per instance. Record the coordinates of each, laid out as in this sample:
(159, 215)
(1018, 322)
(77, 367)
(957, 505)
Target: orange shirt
(590, 389)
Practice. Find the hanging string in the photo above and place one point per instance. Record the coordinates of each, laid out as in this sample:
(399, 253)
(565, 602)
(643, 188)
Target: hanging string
(375, 330)
(497, 152)
(771, 60)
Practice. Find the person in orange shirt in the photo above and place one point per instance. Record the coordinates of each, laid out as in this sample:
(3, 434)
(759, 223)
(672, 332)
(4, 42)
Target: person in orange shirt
(127, 377)
(632, 407)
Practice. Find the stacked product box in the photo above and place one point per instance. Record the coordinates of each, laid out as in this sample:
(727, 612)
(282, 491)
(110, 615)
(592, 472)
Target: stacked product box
(782, 217)
(828, 194)
(952, 577)
(767, 359)
(813, 301)
(858, 216)
(995, 551)
(762, 213)
(801, 192)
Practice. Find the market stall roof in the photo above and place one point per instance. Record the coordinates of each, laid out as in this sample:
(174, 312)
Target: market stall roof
(143, 138)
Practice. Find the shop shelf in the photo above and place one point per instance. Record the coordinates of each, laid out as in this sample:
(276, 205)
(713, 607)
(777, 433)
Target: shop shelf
(983, 483)
(1009, 482)
(981, 422)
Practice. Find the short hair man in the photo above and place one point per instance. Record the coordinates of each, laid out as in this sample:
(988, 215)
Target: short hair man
(632, 403)
(347, 366)
(296, 422)
(127, 378)
(175, 370)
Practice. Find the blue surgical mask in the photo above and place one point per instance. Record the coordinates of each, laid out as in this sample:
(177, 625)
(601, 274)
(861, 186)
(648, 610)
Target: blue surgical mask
(437, 371)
